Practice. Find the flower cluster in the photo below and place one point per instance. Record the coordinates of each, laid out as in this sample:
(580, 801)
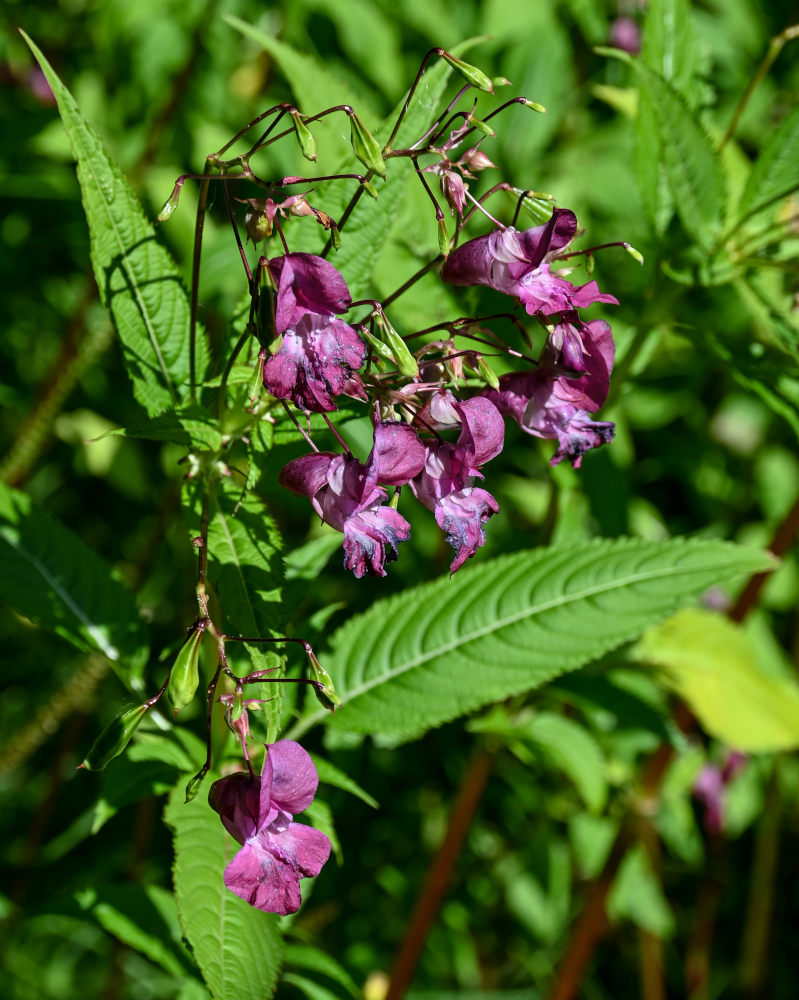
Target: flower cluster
(425, 436)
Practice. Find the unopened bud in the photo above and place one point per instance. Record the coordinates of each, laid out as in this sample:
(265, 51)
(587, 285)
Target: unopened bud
(481, 125)
(403, 358)
(257, 221)
(300, 207)
(171, 204)
(184, 677)
(454, 190)
(535, 106)
(635, 254)
(114, 738)
(304, 137)
(475, 159)
(256, 382)
(476, 77)
(366, 147)
(501, 81)
(325, 692)
(443, 239)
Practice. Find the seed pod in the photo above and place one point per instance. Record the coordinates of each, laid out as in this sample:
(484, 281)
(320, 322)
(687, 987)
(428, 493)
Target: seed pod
(476, 77)
(443, 239)
(326, 694)
(184, 678)
(403, 358)
(193, 785)
(114, 738)
(304, 137)
(487, 373)
(366, 147)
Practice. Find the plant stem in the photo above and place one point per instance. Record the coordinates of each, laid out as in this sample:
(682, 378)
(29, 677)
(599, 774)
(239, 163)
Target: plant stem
(438, 875)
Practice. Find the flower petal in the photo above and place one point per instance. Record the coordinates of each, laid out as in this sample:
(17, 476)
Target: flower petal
(398, 454)
(236, 799)
(306, 283)
(294, 777)
(371, 538)
(463, 516)
(264, 880)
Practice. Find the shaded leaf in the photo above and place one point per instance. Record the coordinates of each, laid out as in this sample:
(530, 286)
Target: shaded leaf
(637, 896)
(329, 774)
(305, 956)
(238, 948)
(774, 174)
(138, 280)
(50, 576)
(437, 651)
(713, 665)
(574, 751)
(192, 426)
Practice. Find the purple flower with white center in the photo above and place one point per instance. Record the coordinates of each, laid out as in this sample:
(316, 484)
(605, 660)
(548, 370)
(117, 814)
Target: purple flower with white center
(444, 485)
(549, 404)
(346, 494)
(318, 352)
(259, 812)
(517, 263)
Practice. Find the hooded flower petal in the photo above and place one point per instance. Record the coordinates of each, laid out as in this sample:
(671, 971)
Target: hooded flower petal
(306, 283)
(462, 516)
(236, 799)
(398, 454)
(371, 539)
(294, 777)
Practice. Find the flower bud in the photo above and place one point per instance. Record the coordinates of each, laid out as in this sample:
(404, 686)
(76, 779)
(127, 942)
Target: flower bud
(184, 677)
(304, 137)
(299, 206)
(114, 738)
(501, 81)
(454, 190)
(366, 147)
(471, 74)
(443, 239)
(257, 221)
(475, 159)
(635, 254)
(326, 694)
(171, 204)
(535, 106)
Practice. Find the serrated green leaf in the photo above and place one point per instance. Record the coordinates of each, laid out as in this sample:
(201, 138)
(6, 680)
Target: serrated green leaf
(192, 426)
(137, 278)
(669, 44)
(692, 165)
(432, 653)
(329, 774)
(574, 751)
(50, 576)
(239, 949)
(774, 174)
(713, 664)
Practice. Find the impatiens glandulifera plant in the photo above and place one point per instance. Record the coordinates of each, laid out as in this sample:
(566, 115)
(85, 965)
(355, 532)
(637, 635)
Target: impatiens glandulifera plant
(315, 347)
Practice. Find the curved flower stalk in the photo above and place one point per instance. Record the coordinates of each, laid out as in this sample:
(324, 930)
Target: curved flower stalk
(259, 812)
(444, 485)
(346, 495)
(517, 263)
(318, 352)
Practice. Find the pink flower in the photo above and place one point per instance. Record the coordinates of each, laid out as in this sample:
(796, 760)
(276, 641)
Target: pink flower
(276, 852)
(549, 404)
(318, 351)
(346, 495)
(517, 263)
(444, 485)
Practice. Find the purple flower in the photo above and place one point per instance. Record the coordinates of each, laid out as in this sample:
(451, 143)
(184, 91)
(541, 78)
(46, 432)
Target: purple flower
(517, 263)
(549, 404)
(318, 351)
(346, 495)
(259, 813)
(444, 484)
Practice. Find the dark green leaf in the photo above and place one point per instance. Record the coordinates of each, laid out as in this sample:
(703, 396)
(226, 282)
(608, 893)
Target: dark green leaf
(137, 279)
(192, 426)
(774, 174)
(51, 577)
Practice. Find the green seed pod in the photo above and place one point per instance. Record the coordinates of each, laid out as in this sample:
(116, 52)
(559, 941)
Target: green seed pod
(535, 107)
(476, 77)
(114, 738)
(403, 358)
(366, 147)
(171, 205)
(481, 125)
(377, 346)
(184, 678)
(635, 254)
(370, 189)
(326, 694)
(304, 137)
(487, 373)
(257, 378)
(193, 785)
(443, 239)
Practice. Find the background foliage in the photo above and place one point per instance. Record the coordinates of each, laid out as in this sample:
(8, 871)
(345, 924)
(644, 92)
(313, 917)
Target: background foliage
(705, 398)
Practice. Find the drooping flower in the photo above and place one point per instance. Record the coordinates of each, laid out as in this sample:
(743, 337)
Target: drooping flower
(547, 403)
(444, 485)
(318, 351)
(276, 852)
(517, 263)
(346, 494)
